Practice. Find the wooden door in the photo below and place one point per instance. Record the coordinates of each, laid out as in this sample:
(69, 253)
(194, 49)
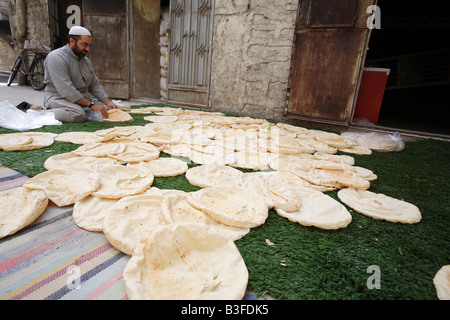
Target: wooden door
(108, 22)
(330, 46)
(190, 51)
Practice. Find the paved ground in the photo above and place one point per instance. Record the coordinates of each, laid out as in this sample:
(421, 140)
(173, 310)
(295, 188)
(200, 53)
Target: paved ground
(16, 94)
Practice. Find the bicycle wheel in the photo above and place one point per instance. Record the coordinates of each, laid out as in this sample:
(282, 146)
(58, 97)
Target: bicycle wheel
(14, 71)
(37, 74)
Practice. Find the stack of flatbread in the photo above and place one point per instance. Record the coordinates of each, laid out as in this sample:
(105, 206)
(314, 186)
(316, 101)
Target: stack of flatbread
(182, 243)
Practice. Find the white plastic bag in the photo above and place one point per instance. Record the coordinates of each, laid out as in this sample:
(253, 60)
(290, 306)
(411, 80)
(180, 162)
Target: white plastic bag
(15, 119)
(377, 141)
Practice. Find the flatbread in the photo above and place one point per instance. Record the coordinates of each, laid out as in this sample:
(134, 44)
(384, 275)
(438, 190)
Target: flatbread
(129, 132)
(26, 141)
(14, 141)
(64, 187)
(163, 167)
(358, 150)
(334, 140)
(119, 181)
(80, 138)
(253, 160)
(65, 160)
(90, 212)
(349, 160)
(334, 178)
(318, 210)
(211, 175)
(279, 193)
(103, 149)
(136, 152)
(380, 206)
(441, 282)
(19, 207)
(131, 219)
(232, 205)
(176, 209)
(188, 261)
(118, 116)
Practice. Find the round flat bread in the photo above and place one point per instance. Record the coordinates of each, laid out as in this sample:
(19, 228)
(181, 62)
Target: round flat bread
(14, 141)
(129, 132)
(131, 219)
(278, 192)
(80, 138)
(349, 160)
(318, 210)
(118, 116)
(380, 206)
(64, 187)
(211, 175)
(232, 205)
(188, 261)
(26, 141)
(334, 178)
(65, 160)
(137, 152)
(119, 181)
(441, 282)
(163, 167)
(258, 161)
(334, 140)
(176, 209)
(90, 212)
(286, 145)
(19, 207)
(358, 150)
(103, 149)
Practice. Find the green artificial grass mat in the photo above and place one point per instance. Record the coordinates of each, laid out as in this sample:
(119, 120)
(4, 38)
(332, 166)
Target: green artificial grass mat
(306, 263)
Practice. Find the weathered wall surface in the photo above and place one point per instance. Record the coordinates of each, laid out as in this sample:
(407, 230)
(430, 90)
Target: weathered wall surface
(252, 50)
(30, 19)
(7, 55)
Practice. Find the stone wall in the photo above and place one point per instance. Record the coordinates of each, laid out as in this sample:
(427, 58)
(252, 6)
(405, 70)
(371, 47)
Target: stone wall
(252, 48)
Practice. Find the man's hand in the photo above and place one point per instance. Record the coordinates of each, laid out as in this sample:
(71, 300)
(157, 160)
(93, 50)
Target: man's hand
(100, 108)
(109, 104)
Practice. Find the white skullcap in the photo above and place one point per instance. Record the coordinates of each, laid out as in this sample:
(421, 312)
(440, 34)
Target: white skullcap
(79, 31)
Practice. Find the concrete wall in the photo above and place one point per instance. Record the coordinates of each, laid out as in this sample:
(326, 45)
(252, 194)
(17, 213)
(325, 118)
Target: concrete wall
(252, 48)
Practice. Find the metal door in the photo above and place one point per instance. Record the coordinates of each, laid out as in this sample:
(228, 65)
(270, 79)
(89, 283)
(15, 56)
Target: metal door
(331, 40)
(107, 19)
(190, 52)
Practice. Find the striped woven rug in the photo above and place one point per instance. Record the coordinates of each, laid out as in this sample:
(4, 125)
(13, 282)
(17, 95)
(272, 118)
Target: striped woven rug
(54, 259)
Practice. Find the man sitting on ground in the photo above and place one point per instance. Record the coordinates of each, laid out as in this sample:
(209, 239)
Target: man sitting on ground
(73, 90)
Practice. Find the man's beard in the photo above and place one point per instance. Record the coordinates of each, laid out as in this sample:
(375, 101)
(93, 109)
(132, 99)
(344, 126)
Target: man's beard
(80, 53)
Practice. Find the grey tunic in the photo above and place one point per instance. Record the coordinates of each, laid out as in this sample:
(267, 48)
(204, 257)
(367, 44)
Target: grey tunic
(68, 80)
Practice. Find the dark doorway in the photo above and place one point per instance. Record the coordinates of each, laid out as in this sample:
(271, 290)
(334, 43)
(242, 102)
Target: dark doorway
(412, 43)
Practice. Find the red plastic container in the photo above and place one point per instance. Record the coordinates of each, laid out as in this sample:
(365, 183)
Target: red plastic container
(371, 93)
